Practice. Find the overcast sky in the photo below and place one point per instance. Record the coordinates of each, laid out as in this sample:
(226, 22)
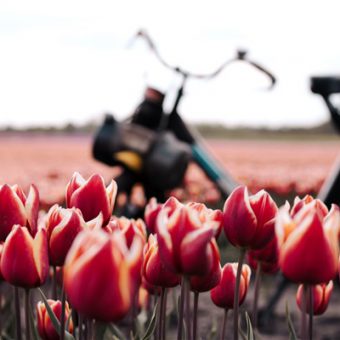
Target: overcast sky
(68, 60)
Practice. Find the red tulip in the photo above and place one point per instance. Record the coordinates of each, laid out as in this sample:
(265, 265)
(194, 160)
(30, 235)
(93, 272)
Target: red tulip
(308, 242)
(186, 245)
(206, 215)
(205, 283)
(268, 256)
(249, 220)
(16, 208)
(154, 271)
(45, 327)
(223, 294)
(153, 208)
(97, 274)
(62, 226)
(24, 260)
(91, 196)
(321, 295)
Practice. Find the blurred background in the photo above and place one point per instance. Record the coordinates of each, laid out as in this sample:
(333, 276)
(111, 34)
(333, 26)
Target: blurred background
(63, 65)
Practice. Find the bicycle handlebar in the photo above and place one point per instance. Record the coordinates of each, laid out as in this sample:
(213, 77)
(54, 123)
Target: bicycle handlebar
(241, 55)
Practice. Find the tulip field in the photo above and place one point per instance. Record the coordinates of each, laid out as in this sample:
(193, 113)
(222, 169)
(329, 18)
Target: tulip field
(71, 269)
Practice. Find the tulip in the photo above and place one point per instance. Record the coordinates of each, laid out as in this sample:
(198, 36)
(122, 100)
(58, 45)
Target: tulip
(17, 208)
(186, 244)
(45, 327)
(249, 220)
(62, 226)
(321, 295)
(206, 215)
(308, 243)
(224, 293)
(24, 260)
(91, 196)
(97, 274)
(153, 209)
(154, 271)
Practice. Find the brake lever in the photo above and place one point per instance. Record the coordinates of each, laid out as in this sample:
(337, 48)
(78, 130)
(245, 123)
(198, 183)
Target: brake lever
(242, 55)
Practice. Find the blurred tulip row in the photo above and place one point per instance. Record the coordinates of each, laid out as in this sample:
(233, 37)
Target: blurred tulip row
(105, 269)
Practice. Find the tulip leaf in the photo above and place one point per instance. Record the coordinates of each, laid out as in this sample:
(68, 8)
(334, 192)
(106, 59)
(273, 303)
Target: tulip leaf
(53, 318)
(213, 330)
(292, 333)
(152, 324)
(250, 332)
(116, 332)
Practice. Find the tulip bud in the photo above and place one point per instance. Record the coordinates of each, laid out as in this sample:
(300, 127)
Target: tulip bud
(249, 220)
(16, 208)
(91, 196)
(223, 294)
(185, 243)
(24, 260)
(321, 295)
(97, 274)
(154, 271)
(45, 327)
(62, 226)
(299, 238)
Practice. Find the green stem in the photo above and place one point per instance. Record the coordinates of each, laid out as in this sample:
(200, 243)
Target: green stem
(187, 307)
(17, 313)
(181, 310)
(164, 314)
(54, 283)
(160, 315)
(304, 313)
(80, 327)
(27, 314)
(237, 291)
(62, 317)
(194, 326)
(224, 324)
(256, 293)
(311, 310)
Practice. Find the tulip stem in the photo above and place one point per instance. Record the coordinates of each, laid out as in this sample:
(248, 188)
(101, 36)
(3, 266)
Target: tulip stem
(54, 283)
(187, 307)
(161, 315)
(256, 293)
(311, 311)
(237, 291)
(194, 326)
(224, 323)
(27, 314)
(62, 316)
(164, 314)
(80, 326)
(304, 313)
(17, 313)
(181, 310)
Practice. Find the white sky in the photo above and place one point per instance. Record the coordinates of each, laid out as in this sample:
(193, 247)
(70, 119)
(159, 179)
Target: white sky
(67, 60)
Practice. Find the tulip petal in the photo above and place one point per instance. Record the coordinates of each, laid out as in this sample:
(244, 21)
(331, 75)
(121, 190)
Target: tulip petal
(76, 182)
(40, 254)
(195, 250)
(32, 208)
(12, 211)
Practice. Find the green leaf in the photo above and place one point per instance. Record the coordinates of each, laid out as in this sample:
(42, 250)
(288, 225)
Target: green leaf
(292, 333)
(116, 332)
(250, 332)
(54, 319)
(152, 324)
